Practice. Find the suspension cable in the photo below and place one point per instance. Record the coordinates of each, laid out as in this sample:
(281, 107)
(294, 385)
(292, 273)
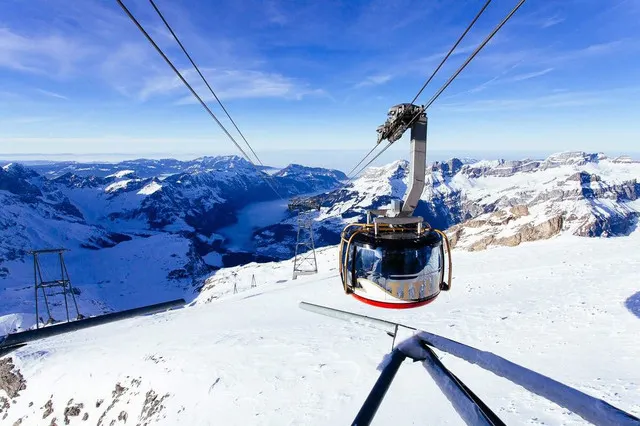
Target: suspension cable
(361, 161)
(473, 55)
(371, 161)
(450, 80)
(451, 51)
(204, 105)
(203, 78)
(455, 45)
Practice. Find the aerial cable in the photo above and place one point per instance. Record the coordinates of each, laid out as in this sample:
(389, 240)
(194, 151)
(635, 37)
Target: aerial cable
(184, 50)
(203, 78)
(475, 19)
(361, 161)
(473, 55)
(451, 51)
(450, 80)
(350, 179)
(371, 161)
(204, 105)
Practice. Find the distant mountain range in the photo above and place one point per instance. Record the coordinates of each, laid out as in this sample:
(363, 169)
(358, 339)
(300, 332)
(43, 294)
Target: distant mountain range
(485, 203)
(134, 238)
(144, 231)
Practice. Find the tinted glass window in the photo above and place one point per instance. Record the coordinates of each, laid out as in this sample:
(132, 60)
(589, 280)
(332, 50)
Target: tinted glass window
(381, 263)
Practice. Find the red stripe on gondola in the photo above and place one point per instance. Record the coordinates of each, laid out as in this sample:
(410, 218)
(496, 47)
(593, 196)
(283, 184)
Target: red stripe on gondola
(391, 305)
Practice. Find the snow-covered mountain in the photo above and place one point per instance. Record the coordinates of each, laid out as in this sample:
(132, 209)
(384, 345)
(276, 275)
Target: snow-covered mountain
(487, 203)
(141, 167)
(170, 232)
(256, 358)
(133, 239)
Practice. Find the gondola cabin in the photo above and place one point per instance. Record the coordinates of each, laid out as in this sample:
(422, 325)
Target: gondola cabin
(395, 263)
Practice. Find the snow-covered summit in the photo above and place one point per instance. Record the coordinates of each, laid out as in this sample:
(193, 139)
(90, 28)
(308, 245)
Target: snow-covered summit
(121, 173)
(115, 222)
(504, 202)
(224, 162)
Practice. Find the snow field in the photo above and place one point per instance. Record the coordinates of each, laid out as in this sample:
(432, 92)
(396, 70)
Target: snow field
(555, 306)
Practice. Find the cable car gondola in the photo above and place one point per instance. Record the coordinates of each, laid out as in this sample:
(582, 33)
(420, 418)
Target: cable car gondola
(396, 260)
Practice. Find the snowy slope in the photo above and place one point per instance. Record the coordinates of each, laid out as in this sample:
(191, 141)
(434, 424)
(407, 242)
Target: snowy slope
(489, 203)
(566, 307)
(115, 218)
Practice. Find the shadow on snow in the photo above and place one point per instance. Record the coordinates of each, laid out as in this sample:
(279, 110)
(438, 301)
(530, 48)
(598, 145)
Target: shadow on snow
(633, 304)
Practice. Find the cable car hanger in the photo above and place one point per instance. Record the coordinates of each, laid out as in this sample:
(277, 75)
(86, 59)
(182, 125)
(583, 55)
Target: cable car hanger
(396, 260)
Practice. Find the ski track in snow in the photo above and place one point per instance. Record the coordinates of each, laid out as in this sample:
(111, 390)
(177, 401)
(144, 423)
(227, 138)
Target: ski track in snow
(558, 307)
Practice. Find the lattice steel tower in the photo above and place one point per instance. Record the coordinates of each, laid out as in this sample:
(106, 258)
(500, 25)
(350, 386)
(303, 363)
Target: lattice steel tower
(41, 284)
(305, 262)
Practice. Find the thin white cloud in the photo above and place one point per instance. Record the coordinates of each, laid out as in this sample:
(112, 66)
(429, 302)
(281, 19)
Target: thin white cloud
(275, 13)
(227, 84)
(564, 99)
(24, 120)
(52, 94)
(374, 80)
(530, 75)
(550, 57)
(128, 67)
(551, 21)
(51, 55)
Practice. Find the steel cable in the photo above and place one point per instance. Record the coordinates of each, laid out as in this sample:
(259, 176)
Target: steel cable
(204, 105)
(449, 53)
(451, 79)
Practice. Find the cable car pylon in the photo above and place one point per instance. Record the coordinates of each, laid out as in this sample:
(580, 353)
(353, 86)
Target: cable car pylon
(304, 261)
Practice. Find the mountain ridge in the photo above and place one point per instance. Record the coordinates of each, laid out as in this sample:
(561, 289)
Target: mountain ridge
(124, 218)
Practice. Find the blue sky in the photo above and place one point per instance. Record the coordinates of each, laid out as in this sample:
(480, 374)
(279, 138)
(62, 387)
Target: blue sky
(78, 77)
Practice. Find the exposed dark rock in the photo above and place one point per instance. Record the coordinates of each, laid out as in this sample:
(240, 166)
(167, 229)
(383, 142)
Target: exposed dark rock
(72, 410)
(48, 409)
(152, 405)
(11, 379)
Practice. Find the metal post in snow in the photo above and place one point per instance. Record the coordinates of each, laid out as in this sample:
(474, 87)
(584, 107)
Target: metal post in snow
(35, 287)
(64, 285)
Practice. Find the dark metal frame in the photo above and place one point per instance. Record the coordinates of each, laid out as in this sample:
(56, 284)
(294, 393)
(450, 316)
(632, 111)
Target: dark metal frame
(64, 283)
(16, 340)
(468, 405)
(304, 261)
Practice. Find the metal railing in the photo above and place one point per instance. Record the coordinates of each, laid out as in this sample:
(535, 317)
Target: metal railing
(466, 403)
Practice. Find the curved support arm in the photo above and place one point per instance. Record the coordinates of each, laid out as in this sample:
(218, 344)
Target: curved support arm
(418, 166)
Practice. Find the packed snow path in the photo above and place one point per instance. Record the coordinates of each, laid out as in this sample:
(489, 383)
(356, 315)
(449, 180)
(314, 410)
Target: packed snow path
(560, 307)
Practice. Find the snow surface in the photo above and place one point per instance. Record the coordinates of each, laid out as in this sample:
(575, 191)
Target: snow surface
(150, 188)
(559, 307)
(121, 184)
(120, 174)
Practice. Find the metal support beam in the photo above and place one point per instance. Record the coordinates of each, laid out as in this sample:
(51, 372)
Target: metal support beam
(418, 166)
(592, 409)
(14, 339)
(470, 409)
(42, 284)
(386, 326)
(379, 390)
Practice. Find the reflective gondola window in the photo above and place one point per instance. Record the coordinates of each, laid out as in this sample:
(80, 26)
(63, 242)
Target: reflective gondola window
(386, 267)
